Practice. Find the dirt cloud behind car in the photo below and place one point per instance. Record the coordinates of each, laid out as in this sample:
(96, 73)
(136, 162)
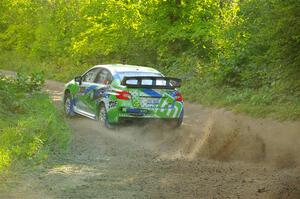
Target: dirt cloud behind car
(222, 135)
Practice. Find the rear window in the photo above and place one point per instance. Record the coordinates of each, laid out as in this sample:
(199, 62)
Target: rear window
(121, 75)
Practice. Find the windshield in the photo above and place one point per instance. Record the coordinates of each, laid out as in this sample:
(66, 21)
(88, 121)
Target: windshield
(121, 75)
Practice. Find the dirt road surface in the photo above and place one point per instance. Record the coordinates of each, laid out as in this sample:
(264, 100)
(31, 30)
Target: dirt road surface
(215, 154)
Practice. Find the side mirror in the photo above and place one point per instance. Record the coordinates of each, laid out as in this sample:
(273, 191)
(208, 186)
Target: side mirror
(78, 79)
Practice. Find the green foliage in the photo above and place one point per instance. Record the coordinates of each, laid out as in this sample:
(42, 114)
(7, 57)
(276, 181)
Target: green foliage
(31, 128)
(31, 83)
(247, 46)
(258, 103)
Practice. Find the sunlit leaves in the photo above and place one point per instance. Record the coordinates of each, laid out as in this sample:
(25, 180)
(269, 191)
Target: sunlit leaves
(249, 43)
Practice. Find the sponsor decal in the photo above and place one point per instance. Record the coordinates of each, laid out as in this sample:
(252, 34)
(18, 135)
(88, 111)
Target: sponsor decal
(151, 92)
(112, 104)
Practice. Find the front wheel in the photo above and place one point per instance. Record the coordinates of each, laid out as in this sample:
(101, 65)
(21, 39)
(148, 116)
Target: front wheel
(69, 105)
(103, 117)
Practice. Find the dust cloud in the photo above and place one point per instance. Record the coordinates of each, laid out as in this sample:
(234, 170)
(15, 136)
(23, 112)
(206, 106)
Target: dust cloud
(221, 135)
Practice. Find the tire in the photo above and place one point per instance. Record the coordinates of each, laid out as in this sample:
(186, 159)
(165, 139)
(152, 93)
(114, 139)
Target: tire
(69, 105)
(103, 118)
(176, 123)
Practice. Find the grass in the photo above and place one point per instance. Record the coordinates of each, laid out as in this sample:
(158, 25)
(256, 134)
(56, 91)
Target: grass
(32, 130)
(259, 103)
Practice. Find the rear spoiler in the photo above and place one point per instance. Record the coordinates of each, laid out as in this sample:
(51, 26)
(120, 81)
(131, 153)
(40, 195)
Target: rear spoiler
(151, 82)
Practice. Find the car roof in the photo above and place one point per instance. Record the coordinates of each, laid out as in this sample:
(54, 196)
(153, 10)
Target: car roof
(117, 68)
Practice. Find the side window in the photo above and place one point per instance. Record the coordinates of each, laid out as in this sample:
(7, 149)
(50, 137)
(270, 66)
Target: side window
(103, 77)
(90, 76)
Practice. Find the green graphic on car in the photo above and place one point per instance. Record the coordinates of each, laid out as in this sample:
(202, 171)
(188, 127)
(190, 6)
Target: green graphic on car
(116, 92)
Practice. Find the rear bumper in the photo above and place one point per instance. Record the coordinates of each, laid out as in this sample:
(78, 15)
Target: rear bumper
(172, 113)
(127, 110)
(143, 120)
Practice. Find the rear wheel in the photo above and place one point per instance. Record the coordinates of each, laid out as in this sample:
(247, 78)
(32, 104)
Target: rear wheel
(179, 122)
(175, 123)
(103, 118)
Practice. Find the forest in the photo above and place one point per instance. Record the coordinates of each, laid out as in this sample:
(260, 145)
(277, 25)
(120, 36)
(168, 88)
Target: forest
(240, 54)
(239, 62)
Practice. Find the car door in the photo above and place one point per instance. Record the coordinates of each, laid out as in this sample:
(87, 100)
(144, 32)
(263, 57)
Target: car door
(86, 90)
(102, 80)
(94, 86)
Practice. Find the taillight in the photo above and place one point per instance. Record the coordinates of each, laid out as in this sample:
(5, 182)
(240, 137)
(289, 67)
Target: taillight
(178, 97)
(123, 95)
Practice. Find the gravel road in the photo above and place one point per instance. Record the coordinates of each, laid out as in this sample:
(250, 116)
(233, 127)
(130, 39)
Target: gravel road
(202, 159)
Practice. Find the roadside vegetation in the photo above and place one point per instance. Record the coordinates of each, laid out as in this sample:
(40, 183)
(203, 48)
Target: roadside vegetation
(243, 55)
(31, 128)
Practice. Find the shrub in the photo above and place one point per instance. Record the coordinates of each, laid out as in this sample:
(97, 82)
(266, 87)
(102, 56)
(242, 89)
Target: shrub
(32, 128)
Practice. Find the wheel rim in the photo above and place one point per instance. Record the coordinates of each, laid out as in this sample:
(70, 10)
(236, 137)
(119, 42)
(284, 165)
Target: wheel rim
(67, 105)
(102, 114)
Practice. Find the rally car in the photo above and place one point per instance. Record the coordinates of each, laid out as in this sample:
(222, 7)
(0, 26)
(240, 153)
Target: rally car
(116, 92)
